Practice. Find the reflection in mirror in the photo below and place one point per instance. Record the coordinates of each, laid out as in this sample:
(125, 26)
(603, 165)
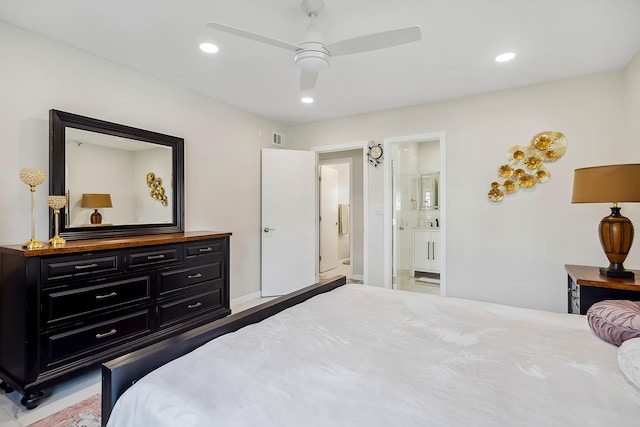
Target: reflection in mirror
(95, 157)
(429, 189)
(131, 179)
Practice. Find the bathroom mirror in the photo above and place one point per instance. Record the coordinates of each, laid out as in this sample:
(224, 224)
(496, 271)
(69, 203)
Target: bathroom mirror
(429, 189)
(130, 179)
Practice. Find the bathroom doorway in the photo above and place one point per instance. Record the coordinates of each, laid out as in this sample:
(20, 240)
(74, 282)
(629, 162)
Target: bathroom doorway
(416, 196)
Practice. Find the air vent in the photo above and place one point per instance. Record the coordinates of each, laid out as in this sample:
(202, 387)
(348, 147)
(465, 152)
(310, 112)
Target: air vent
(277, 139)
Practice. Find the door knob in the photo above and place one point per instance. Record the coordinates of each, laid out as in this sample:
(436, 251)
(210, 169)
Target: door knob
(267, 229)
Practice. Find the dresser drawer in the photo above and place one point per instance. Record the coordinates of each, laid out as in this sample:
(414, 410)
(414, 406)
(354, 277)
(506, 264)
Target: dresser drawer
(203, 248)
(60, 347)
(174, 280)
(63, 304)
(80, 265)
(151, 257)
(175, 311)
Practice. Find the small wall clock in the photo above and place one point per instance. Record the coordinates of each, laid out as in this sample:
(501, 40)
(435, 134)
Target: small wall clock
(375, 154)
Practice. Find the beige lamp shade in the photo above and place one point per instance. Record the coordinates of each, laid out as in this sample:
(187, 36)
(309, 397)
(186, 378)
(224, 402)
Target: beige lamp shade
(96, 201)
(607, 184)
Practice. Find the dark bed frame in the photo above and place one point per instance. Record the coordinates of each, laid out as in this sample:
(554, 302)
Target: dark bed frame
(121, 373)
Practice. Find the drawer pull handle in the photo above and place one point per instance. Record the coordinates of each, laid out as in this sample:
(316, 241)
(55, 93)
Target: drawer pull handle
(194, 276)
(83, 267)
(196, 305)
(209, 249)
(111, 295)
(106, 334)
(150, 257)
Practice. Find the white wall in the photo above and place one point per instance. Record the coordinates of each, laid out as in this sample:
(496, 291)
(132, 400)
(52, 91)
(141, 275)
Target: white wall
(632, 102)
(514, 251)
(222, 146)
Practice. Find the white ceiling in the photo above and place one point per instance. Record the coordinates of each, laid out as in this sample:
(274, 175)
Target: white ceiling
(554, 39)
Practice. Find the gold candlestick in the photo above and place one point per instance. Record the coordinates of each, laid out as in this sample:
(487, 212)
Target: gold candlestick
(56, 203)
(33, 178)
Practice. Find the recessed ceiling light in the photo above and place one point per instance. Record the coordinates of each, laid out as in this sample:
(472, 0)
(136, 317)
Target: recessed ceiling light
(208, 47)
(306, 100)
(505, 57)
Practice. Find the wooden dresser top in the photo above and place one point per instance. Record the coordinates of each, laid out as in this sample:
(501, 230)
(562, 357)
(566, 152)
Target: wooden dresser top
(590, 276)
(74, 246)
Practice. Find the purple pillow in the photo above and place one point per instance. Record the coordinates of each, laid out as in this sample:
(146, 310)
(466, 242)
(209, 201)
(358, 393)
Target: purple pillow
(615, 321)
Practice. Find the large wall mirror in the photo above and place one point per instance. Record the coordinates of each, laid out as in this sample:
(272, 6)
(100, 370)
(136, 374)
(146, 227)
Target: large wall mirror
(118, 180)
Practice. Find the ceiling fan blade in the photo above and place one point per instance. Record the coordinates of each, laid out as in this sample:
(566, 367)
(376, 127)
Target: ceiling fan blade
(308, 80)
(252, 36)
(375, 41)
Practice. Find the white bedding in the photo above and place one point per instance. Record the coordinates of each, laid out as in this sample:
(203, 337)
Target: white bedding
(364, 356)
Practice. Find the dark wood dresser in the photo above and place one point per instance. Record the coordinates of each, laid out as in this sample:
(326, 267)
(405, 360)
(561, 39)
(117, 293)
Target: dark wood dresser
(586, 286)
(65, 310)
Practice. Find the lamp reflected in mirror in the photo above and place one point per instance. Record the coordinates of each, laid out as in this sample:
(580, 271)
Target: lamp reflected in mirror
(610, 184)
(96, 201)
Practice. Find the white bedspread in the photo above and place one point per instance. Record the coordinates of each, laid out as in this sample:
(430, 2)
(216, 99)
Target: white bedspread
(364, 356)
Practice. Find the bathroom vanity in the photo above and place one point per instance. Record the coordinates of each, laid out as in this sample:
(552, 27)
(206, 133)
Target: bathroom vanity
(426, 250)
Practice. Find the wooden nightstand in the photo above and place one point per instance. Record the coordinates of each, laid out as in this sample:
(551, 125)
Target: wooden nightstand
(586, 286)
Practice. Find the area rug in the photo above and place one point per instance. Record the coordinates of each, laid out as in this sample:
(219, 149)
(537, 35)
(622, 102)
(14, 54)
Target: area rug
(85, 413)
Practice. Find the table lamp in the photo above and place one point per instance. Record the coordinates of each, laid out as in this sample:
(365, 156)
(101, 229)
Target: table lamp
(96, 201)
(610, 184)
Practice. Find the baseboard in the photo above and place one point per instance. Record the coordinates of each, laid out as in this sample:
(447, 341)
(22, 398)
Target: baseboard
(358, 277)
(245, 298)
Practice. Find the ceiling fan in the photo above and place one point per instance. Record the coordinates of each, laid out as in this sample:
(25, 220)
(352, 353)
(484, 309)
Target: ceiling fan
(312, 55)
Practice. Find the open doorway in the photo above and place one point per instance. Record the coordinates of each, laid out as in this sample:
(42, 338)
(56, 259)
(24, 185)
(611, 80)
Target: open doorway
(341, 208)
(416, 195)
(335, 217)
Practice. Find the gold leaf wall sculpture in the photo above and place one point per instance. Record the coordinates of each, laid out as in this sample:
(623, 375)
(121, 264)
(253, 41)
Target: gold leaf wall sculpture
(525, 164)
(157, 190)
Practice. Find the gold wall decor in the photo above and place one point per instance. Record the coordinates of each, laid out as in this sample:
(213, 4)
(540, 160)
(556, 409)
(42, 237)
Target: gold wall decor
(157, 190)
(525, 164)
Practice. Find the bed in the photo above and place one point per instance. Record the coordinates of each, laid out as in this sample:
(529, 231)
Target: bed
(365, 356)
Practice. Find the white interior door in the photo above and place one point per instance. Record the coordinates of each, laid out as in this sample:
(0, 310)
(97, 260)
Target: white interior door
(288, 221)
(328, 218)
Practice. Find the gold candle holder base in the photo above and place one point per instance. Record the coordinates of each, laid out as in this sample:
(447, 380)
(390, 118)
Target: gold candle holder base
(33, 244)
(57, 241)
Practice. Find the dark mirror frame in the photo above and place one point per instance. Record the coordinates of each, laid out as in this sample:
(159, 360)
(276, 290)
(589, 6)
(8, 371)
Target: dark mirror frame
(58, 122)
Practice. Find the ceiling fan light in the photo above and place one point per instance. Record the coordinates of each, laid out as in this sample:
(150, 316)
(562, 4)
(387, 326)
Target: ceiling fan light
(312, 60)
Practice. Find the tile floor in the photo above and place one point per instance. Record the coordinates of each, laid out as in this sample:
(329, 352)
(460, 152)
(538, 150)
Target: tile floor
(13, 414)
(425, 283)
(341, 270)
